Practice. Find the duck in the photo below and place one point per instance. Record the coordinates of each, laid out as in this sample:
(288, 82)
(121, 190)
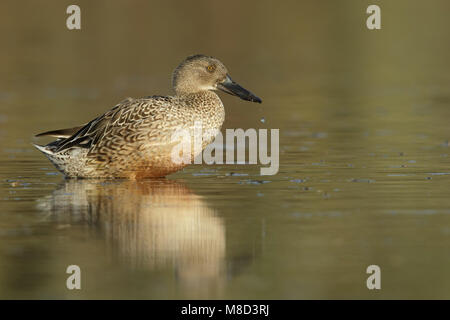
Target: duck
(134, 139)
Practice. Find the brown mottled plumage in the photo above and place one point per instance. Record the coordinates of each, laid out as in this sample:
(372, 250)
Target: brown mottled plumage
(134, 139)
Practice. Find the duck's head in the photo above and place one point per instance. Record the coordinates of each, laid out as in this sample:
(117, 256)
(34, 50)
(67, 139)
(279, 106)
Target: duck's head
(202, 73)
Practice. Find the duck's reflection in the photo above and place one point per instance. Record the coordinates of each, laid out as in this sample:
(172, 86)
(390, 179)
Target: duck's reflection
(156, 224)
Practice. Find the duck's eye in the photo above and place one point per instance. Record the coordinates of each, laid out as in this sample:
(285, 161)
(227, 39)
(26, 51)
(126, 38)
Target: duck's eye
(211, 68)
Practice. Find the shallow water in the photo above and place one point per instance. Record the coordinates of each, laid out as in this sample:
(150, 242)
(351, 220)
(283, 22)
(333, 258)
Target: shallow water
(364, 155)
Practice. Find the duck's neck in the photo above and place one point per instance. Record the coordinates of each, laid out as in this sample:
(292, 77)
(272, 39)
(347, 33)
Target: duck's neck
(206, 106)
(206, 99)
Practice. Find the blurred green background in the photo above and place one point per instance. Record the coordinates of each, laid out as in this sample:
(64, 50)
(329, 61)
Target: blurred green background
(364, 168)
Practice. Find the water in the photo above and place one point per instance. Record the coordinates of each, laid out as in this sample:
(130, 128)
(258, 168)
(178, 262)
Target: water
(364, 156)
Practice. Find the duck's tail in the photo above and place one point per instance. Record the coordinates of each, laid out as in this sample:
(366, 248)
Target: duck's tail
(58, 160)
(61, 133)
(43, 149)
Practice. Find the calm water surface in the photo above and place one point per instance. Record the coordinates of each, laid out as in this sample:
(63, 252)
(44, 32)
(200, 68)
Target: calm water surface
(364, 155)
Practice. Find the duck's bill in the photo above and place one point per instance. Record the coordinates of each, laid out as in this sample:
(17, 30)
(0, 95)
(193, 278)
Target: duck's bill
(231, 87)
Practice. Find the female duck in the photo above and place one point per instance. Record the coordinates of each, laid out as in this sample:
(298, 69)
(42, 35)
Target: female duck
(134, 139)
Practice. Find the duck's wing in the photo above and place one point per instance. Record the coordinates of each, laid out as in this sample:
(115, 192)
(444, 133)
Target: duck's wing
(128, 113)
(69, 132)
